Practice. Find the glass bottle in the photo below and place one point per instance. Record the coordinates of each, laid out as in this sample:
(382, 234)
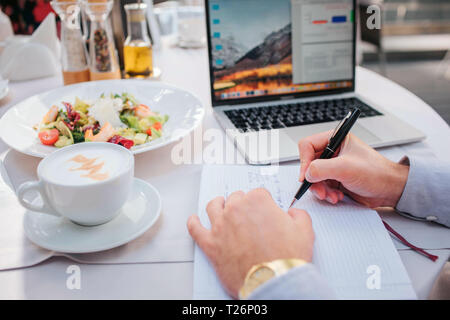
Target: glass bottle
(103, 61)
(85, 26)
(73, 51)
(137, 51)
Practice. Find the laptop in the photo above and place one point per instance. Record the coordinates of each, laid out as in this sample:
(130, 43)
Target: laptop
(282, 70)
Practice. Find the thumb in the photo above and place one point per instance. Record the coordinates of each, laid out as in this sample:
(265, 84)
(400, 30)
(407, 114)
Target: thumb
(326, 169)
(300, 216)
(200, 234)
(303, 221)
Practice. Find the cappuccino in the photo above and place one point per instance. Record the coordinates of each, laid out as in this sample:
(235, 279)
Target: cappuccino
(91, 165)
(88, 183)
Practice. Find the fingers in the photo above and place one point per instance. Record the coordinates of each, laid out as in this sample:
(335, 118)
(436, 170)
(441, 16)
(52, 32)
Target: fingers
(301, 218)
(260, 194)
(234, 198)
(319, 190)
(215, 208)
(200, 234)
(310, 148)
(297, 214)
(323, 191)
(328, 169)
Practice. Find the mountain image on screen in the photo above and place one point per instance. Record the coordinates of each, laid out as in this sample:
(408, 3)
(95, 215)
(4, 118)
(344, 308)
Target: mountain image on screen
(230, 51)
(266, 66)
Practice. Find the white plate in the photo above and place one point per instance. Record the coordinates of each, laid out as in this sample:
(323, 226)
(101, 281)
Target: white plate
(185, 112)
(139, 213)
(4, 89)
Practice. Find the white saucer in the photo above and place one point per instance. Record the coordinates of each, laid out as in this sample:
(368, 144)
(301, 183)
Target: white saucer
(138, 214)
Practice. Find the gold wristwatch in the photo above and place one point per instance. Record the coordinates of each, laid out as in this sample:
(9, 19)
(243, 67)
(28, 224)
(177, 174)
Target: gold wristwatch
(263, 272)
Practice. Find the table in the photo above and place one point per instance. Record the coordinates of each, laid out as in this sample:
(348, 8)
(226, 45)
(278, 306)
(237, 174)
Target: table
(188, 69)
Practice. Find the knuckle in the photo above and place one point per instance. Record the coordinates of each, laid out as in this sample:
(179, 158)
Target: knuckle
(237, 193)
(232, 207)
(258, 193)
(313, 169)
(217, 226)
(302, 143)
(233, 213)
(209, 206)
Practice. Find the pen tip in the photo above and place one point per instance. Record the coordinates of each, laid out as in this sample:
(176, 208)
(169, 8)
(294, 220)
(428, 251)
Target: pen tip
(293, 201)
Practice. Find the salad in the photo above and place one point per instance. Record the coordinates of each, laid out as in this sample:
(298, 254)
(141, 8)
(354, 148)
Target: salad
(117, 118)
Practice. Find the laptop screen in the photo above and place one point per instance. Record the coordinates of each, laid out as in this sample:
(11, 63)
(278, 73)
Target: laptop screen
(270, 48)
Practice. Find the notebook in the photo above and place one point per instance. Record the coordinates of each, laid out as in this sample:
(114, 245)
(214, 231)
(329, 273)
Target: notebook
(351, 246)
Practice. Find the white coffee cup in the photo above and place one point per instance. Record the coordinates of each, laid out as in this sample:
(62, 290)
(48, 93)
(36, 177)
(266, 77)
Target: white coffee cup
(69, 187)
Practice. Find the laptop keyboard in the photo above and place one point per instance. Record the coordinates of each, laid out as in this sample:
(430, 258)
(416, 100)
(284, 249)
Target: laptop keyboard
(296, 114)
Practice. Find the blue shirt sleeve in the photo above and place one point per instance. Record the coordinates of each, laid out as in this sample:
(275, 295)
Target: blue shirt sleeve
(427, 192)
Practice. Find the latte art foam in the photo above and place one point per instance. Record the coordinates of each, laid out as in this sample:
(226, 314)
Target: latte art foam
(90, 165)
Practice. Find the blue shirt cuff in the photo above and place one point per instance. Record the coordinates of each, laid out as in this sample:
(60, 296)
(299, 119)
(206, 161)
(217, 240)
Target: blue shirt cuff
(426, 191)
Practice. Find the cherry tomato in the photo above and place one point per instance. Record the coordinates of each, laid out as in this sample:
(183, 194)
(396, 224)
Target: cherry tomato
(157, 125)
(49, 137)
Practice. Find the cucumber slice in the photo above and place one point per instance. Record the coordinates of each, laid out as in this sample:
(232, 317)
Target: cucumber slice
(63, 141)
(65, 131)
(140, 138)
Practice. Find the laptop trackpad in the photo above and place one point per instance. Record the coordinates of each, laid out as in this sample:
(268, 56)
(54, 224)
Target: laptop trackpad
(364, 134)
(301, 132)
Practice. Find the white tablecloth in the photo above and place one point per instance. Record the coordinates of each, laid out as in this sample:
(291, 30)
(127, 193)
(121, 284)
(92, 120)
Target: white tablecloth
(189, 69)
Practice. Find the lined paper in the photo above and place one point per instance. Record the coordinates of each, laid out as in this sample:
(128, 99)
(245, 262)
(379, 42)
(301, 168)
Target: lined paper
(351, 241)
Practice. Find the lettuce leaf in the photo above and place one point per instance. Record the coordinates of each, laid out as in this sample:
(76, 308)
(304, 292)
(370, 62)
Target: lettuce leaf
(80, 105)
(130, 121)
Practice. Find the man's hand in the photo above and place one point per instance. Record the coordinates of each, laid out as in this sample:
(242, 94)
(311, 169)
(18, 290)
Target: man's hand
(248, 229)
(358, 170)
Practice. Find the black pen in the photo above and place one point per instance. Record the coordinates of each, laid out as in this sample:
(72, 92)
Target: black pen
(336, 139)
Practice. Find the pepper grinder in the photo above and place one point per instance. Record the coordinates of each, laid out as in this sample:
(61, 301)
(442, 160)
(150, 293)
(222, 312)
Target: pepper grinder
(103, 62)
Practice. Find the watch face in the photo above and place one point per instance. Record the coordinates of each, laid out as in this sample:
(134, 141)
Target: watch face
(259, 276)
(263, 274)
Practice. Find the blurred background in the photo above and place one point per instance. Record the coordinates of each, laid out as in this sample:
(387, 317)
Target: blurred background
(412, 47)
